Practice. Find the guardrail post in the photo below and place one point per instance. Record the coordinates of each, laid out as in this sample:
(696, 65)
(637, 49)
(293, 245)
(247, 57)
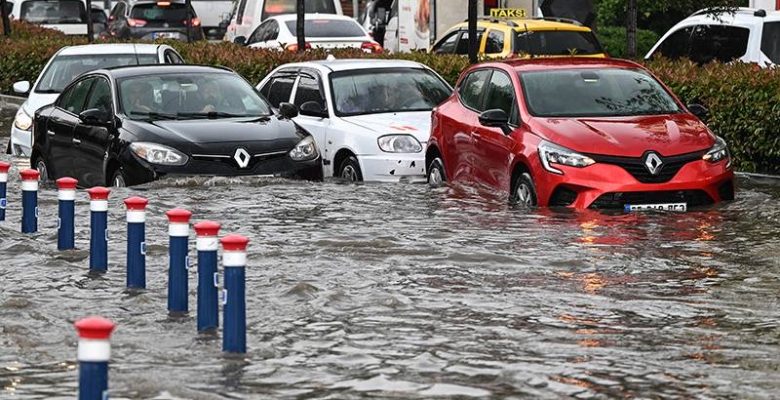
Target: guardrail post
(207, 245)
(66, 230)
(30, 200)
(136, 242)
(94, 351)
(98, 243)
(234, 295)
(179, 232)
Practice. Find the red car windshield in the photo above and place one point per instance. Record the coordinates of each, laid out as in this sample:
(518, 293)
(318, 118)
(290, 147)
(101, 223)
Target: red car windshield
(595, 93)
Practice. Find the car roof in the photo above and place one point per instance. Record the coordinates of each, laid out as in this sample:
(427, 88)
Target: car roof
(531, 24)
(293, 17)
(742, 16)
(109, 48)
(136, 70)
(353, 64)
(548, 63)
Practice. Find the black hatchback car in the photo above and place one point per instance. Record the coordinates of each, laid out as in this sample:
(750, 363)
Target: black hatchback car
(131, 125)
(150, 20)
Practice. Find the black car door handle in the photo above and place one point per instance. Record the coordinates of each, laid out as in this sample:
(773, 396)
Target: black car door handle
(76, 141)
(50, 133)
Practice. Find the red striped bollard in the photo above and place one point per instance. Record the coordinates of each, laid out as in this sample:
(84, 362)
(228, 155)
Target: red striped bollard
(234, 298)
(136, 242)
(66, 229)
(4, 167)
(179, 233)
(93, 354)
(98, 243)
(30, 200)
(207, 244)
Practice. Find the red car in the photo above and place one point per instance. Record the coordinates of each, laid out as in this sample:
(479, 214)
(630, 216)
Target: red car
(577, 132)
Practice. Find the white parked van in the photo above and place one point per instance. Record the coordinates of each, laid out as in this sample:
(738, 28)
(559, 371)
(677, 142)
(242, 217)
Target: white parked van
(248, 14)
(68, 16)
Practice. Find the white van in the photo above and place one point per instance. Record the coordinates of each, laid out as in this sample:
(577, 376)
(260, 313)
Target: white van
(68, 16)
(248, 14)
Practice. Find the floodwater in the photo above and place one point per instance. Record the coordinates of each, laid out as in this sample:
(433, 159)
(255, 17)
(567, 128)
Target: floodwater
(401, 291)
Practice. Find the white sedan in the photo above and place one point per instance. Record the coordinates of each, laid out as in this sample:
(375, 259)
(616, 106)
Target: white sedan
(67, 64)
(371, 119)
(326, 31)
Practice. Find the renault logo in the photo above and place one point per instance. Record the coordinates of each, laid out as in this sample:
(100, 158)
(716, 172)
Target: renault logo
(242, 158)
(653, 163)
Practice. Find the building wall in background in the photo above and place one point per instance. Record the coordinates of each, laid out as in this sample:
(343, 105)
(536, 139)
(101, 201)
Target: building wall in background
(765, 4)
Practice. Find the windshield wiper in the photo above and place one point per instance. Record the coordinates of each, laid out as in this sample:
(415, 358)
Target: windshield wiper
(212, 115)
(154, 115)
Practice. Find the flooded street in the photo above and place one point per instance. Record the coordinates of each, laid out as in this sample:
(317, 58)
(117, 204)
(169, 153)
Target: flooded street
(401, 291)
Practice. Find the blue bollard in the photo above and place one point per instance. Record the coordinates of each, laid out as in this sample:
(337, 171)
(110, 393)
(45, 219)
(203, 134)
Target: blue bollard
(136, 242)
(4, 167)
(93, 354)
(98, 243)
(179, 232)
(30, 200)
(66, 231)
(234, 298)
(207, 245)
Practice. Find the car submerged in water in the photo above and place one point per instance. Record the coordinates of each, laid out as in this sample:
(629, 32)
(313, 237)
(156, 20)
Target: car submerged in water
(128, 126)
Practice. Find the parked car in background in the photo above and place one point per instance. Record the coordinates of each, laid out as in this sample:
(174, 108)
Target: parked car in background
(64, 66)
(128, 126)
(370, 118)
(67, 16)
(214, 16)
(577, 132)
(249, 14)
(99, 21)
(152, 19)
(323, 31)
(523, 38)
(748, 35)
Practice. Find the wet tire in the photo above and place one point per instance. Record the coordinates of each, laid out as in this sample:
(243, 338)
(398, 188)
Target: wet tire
(118, 179)
(349, 170)
(524, 191)
(39, 164)
(435, 173)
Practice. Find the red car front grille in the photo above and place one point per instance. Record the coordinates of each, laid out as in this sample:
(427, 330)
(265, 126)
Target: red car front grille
(636, 165)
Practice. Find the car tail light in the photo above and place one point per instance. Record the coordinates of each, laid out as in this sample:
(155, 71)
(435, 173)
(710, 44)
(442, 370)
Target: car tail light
(371, 47)
(293, 47)
(195, 22)
(135, 22)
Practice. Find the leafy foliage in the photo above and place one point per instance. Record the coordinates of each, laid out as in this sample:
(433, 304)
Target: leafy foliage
(613, 38)
(657, 15)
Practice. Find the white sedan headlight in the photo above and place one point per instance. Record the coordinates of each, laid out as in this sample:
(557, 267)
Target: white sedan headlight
(158, 154)
(23, 121)
(399, 144)
(553, 154)
(305, 150)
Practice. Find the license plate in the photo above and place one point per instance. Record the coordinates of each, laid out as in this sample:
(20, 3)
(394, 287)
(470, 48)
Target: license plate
(166, 35)
(676, 207)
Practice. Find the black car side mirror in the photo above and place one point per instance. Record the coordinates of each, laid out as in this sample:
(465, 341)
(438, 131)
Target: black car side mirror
(95, 116)
(313, 109)
(240, 40)
(288, 110)
(699, 111)
(496, 118)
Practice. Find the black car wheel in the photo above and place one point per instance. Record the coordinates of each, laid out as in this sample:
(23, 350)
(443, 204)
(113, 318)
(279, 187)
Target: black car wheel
(118, 179)
(350, 170)
(436, 175)
(43, 169)
(524, 191)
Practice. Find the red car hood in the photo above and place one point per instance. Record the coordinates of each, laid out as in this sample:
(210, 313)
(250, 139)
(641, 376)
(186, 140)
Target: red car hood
(667, 135)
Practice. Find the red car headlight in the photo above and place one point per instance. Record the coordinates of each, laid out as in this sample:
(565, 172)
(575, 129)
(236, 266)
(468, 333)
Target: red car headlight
(551, 154)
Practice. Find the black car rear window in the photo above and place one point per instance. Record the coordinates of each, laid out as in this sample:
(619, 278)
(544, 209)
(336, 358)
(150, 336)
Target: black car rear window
(557, 43)
(328, 28)
(163, 11)
(53, 12)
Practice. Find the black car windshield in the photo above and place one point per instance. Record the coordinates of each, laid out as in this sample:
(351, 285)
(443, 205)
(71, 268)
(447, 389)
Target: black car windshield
(376, 91)
(278, 7)
(328, 28)
(53, 12)
(190, 96)
(63, 69)
(557, 43)
(595, 93)
(174, 14)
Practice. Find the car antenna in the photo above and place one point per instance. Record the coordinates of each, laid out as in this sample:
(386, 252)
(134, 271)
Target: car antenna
(528, 40)
(135, 51)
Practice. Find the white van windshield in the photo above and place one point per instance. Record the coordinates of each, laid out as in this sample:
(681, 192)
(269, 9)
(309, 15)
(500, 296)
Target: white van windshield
(278, 7)
(53, 12)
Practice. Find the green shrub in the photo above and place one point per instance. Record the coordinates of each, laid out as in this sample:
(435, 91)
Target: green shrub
(613, 38)
(744, 100)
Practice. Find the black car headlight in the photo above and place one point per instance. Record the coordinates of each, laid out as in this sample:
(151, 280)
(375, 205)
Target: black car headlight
(158, 154)
(718, 152)
(305, 150)
(553, 154)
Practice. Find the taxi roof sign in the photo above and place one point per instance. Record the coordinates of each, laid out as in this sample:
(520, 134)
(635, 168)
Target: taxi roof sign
(508, 13)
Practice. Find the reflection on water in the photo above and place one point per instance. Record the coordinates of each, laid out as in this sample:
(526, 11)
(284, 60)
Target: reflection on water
(405, 292)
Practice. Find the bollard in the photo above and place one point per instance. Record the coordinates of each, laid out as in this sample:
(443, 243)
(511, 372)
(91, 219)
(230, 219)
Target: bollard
(179, 232)
(98, 243)
(136, 242)
(234, 297)
(93, 354)
(66, 229)
(29, 200)
(4, 167)
(207, 245)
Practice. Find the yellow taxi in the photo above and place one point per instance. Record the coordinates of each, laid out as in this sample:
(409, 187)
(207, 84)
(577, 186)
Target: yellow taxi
(523, 38)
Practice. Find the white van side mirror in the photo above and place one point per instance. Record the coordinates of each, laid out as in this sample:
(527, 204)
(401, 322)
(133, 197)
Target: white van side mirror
(22, 87)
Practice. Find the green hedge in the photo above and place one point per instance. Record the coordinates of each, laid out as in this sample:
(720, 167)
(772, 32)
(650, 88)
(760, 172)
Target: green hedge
(613, 38)
(744, 100)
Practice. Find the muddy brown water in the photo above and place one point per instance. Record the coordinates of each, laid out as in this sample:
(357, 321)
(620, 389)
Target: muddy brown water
(401, 291)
